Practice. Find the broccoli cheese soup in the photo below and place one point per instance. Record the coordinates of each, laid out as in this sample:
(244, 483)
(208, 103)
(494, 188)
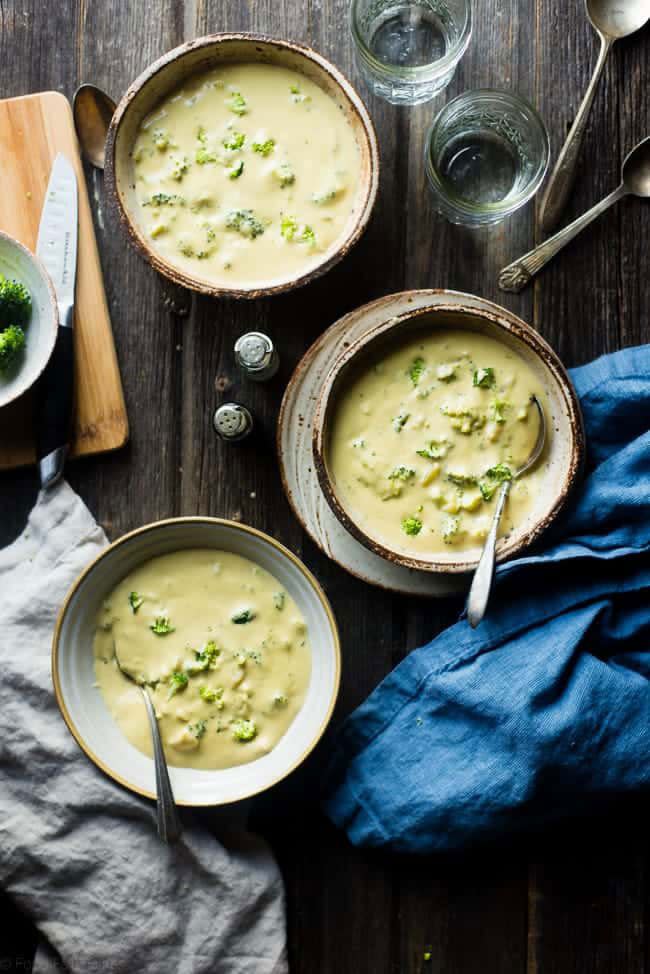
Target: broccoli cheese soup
(223, 648)
(246, 174)
(423, 436)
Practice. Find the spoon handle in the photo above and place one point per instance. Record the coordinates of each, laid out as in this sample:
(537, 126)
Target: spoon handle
(564, 174)
(169, 825)
(479, 593)
(517, 275)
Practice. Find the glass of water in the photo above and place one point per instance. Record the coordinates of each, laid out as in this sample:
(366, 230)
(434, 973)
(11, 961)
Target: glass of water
(486, 155)
(407, 52)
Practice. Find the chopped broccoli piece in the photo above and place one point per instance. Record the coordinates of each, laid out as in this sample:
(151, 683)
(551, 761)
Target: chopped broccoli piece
(498, 407)
(243, 616)
(322, 199)
(288, 227)
(402, 473)
(462, 479)
(244, 222)
(244, 730)
(450, 528)
(296, 94)
(205, 658)
(161, 626)
(307, 235)
(284, 174)
(211, 696)
(294, 89)
(279, 598)
(416, 371)
(177, 682)
(280, 700)
(202, 156)
(164, 199)
(179, 168)
(135, 601)
(235, 171)
(435, 450)
(466, 421)
(487, 490)
(15, 303)
(264, 148)
(484, 378)
(198, 729)
(237, 103)
(411, 525)
(12, 343)
(235, 140)
(160, 139)
(400, 422)
(446, 373)
(500, 473)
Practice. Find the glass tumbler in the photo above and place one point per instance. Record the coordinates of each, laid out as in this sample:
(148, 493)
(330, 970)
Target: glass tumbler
(486, 155)
(407, 52)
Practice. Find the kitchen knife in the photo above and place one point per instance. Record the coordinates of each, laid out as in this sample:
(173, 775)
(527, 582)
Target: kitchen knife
(57, 248)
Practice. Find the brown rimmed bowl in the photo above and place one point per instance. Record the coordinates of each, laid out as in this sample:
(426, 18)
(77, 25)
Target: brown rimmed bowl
(86, 713)
(203, 54)
(564, 453)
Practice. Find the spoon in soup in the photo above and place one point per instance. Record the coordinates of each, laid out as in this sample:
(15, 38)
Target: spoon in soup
(479, 593)
(612, 20)
(169, 825)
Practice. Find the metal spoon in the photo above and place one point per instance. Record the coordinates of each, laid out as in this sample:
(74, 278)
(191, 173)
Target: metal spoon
(169, 825)
(479, 593)
(612, 20)
(93, 110)
(635, 181)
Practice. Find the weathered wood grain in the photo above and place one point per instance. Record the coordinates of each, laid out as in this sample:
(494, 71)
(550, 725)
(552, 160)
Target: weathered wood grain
(544, 907)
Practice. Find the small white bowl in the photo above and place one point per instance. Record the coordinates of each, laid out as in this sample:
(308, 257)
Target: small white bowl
(84, 709)
(18, 263)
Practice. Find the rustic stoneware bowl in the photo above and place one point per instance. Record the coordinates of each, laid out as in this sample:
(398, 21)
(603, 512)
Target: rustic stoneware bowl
(18, 262)
(563, 455)
(170, 71)
(83, 706)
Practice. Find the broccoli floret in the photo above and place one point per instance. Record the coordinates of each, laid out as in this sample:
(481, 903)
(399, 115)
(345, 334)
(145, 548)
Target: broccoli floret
(462, 479)
(416, 371)
(411, 525)
(198, 729)
(499, 473)
(205, 658)
(450, 528)
(446, 373)
(487, 490)
(242, 617)
(244, 222)
(483, 378)
(284, 174)
(160, 139)
(135, 601)
(280, 700)
(177, 682)
(202, 156)
(264, 148)
(211, 696)
(400, 422)
(235, 140)
(291, 230)
(307, 235)
(164, 199)
(12, 343)
(235, 171)
(279, 598)
(322, 199)
(15, 303)
(161, 626)
(435, 450)
(498, 407)
(296, 94)
(402, 473)
(237, 103)
(288, 228)
(179, 168)
(244, 730)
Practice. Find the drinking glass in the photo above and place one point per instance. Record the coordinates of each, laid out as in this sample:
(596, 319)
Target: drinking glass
(407, 52)
(486, 155)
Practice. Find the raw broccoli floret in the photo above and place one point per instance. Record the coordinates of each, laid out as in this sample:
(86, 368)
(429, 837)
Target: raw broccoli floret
(15, 303)
(12, 343)
(244, 730)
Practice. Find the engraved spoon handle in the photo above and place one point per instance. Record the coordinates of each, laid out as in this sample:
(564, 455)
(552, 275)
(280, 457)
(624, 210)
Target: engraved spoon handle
(169, 825)
(564, 174)
(479, 593)
(517, 275)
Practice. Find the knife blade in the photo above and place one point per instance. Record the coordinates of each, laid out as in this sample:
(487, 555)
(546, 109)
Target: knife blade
(57, 248)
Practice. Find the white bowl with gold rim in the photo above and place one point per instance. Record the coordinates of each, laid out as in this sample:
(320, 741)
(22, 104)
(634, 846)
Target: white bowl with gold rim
(86, 713)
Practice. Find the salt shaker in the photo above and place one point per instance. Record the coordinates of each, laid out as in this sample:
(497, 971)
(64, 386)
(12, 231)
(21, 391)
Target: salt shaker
(233, 422)
(256, 356)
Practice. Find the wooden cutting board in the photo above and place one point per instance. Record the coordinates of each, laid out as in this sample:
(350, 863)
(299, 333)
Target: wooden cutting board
(33, 129)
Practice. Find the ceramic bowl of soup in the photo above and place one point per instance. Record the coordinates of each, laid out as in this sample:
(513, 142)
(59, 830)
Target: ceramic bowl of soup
(421, 420)
(241, 165)
(235, 641)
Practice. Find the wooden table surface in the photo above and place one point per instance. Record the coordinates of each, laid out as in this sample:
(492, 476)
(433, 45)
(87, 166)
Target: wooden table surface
(570, 900)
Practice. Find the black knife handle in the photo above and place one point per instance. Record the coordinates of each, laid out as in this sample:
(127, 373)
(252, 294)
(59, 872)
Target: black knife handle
(54, 397)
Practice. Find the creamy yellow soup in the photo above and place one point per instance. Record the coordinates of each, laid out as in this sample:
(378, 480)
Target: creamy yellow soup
(224, 651)
(423, 437)
(248, 173)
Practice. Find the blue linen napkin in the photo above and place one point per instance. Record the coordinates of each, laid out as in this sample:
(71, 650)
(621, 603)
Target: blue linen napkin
(545, 709)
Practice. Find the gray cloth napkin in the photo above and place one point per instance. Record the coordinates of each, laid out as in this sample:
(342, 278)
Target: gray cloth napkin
(78, 853)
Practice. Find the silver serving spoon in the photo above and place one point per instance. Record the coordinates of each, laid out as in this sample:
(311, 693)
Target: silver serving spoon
(635, 181)
(93, 110)
(169, 825)
(612, 20)
(479, 593)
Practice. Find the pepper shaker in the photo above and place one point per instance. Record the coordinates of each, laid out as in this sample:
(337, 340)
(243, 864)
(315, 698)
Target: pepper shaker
(256, 356)
(233, 422)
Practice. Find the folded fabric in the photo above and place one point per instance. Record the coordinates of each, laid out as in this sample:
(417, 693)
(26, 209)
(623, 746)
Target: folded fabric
(79, 854)
(544, 710)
